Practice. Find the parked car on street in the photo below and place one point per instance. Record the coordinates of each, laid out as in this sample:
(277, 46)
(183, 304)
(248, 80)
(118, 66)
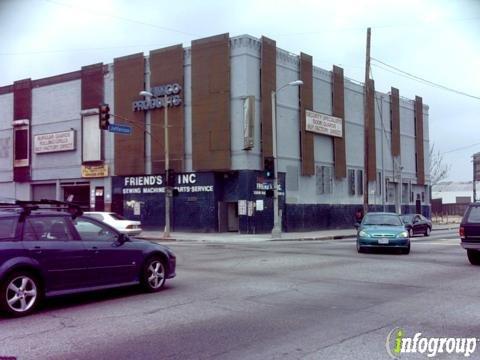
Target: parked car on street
(47, 251)
(470, 233)
(417, 224)
(382, 230)
(125, 226)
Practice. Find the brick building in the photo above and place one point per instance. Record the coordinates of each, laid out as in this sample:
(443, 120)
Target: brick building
(220, 132)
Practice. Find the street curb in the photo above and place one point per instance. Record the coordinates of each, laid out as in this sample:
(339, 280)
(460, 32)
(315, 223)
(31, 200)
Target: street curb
(318, 238)
(307, 238)
(150, 238)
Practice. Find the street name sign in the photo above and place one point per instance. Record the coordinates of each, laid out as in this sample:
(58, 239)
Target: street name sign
(120, 129)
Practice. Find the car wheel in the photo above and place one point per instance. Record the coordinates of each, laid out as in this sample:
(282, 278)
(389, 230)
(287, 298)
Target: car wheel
(20, 294)
(473, 256)
(427, 231)
(410, 232)
(153, 277)
(406, 250)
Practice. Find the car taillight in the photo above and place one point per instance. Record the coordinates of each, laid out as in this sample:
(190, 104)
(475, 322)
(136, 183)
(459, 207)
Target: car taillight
(130, 227)
(462, 232)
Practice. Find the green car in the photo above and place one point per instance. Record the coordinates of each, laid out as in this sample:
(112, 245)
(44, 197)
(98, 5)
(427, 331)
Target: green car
(382, 230)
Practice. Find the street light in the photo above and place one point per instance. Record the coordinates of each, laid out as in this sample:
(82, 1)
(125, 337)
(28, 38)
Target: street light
(277, 220)
(168, 192)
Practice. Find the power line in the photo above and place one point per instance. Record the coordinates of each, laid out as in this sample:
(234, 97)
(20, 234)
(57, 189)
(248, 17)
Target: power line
(362, 28)
(460, 148)
(113, 16)
(80, 49)
(422, 80)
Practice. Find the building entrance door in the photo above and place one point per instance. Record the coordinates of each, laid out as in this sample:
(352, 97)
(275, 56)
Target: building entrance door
(232, 216)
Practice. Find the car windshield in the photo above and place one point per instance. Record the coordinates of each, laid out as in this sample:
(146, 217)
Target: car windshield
(407, 218)
(116, 216)
(382, 219)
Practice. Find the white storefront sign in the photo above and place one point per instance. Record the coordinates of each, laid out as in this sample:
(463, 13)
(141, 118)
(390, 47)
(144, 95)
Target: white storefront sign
(54, 142)
(323, 124)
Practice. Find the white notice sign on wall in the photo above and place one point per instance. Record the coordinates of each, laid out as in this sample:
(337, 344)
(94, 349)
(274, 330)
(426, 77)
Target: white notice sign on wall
(323, 124)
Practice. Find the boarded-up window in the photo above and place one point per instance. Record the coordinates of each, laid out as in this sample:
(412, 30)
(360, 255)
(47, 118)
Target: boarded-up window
(21, 145)
(405, 193)
(91, 139)
(292, 178)
(248, 122)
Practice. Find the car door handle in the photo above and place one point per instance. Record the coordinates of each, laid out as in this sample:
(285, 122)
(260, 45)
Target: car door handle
(37, 249)
(95, 249)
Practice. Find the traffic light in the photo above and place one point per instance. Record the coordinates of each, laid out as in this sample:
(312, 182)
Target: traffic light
(103, 116)
(269, 167)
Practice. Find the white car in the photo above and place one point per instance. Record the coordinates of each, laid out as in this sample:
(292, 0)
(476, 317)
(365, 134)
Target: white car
(129, 227)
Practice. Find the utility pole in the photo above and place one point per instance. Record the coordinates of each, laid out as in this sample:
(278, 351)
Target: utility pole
(168, 187)
(367, 121)
(474, 178)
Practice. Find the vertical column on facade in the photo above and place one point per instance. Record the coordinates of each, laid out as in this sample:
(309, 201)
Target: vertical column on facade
(268, 83)
(306, 103)
(92, 90)
(395, 121)
(395, 143)
(370, 133)
(92, 94)
(129, 74)
(419, 150)
(92, 86)
(211, 148)
(22, 139)
(166, 67)
(338, 105)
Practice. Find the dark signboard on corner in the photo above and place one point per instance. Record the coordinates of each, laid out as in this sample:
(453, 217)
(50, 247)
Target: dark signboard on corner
(190, 183)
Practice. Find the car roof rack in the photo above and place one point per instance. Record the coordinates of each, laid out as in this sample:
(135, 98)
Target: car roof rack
(28, 205)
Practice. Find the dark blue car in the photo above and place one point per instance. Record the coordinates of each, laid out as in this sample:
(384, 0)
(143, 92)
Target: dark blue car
(48, 252)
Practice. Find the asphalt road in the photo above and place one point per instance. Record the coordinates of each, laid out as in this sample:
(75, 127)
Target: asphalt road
(266, 300)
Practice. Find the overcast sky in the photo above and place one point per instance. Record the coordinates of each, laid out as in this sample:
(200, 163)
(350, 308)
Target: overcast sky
(436, 40)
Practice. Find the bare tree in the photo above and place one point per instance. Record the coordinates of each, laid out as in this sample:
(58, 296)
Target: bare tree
(438, 169)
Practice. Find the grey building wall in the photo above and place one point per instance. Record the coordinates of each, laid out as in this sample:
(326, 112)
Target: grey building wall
(57, 108)
(6, 143)
(245, 80)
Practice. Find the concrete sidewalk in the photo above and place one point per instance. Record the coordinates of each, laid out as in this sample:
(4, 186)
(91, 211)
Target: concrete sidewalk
(336, 234)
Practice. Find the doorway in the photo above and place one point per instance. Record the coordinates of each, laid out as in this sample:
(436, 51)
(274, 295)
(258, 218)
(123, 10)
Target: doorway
(228, 217)
(81, 194)
(232, 217)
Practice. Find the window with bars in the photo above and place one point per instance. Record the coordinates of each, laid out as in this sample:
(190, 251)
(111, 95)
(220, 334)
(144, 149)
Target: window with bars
(351, 182)
(379, 183)
(359, 182)
(324, 179)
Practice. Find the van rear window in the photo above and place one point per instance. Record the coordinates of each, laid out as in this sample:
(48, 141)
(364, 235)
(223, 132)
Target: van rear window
(8, 227)
(474, 215)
